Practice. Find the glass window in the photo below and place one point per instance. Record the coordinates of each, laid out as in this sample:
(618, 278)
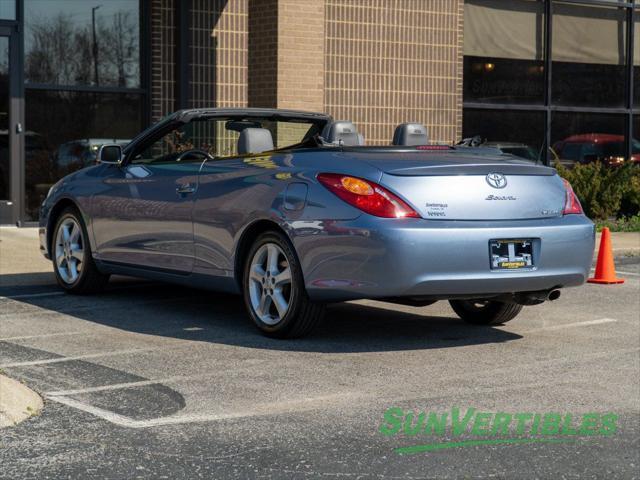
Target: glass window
(8, 9)
(588, 137)
(208, 136)
(636, 59)
(503, 51)
(5, 178)
(219, 138)
(58, 146)
(635, 144)
(75, 42)
(519, 133)
(588, 53)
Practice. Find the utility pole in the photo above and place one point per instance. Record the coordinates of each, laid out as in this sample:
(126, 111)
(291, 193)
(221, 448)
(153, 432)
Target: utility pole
(95, 44)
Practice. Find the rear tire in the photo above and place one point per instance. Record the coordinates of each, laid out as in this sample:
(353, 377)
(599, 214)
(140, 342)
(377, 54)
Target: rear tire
(485, 312)
(73, 263)
(274, 292)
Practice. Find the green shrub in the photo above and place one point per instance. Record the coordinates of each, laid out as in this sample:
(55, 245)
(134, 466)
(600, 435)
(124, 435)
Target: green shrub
(622, 224)
(605, 192)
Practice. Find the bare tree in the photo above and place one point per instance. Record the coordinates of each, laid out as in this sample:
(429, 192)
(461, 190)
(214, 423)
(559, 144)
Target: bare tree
(59, 51)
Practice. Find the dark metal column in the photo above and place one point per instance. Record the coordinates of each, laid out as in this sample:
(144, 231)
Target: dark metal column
(16, 114)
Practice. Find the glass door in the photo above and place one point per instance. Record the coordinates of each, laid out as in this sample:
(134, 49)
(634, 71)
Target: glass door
(5, 157)
(10, 125)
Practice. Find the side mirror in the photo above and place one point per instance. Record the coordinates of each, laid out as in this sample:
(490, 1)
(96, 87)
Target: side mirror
(110, 154)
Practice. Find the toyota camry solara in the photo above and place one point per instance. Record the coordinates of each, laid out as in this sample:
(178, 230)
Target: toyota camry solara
(291, 210)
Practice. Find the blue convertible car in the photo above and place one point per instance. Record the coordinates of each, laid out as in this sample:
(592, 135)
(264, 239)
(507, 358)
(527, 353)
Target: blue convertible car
(291, 210)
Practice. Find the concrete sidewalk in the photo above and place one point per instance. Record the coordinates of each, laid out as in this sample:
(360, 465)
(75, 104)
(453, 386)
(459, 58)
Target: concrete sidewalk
(20, 260)
(17, 402)
(624, 243)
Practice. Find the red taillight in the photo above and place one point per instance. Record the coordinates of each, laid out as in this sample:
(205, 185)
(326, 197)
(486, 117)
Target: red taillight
(434, 147)
(571, 203)
(367, 196)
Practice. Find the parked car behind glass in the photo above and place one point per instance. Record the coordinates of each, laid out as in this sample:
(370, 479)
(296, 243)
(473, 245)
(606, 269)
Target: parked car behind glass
(591, 147)
(78, 154)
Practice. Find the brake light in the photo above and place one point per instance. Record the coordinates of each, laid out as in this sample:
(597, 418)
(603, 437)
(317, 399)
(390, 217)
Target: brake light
(367, 196)
(571, 203)
(434, 147)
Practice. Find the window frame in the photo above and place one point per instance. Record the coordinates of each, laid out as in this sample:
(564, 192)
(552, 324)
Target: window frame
(144, 58)
(632, 12)
(148, 137)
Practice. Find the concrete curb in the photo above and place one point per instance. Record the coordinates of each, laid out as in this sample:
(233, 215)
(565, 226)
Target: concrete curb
(17, 402)
(625, 244)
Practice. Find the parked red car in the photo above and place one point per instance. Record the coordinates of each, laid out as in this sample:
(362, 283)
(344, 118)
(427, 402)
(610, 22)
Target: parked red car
(591, 147)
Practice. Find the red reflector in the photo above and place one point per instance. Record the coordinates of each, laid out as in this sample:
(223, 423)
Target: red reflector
(375, 200)
(571, 204)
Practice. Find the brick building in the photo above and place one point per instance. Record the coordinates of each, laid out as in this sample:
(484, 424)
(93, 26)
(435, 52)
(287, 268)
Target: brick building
(367, 61)
(77, 73)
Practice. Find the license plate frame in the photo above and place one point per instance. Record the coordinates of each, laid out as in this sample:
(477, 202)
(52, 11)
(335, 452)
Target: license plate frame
(509, 254)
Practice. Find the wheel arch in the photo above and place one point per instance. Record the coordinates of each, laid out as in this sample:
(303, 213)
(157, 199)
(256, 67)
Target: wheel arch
(247, 237)
(55, 213)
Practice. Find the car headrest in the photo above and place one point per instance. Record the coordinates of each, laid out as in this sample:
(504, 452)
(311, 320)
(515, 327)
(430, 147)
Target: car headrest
(342, 131)
(254, 140)
(410, 134)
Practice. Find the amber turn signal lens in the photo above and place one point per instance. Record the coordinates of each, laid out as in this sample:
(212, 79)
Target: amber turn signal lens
(368, 196)
(357, 186)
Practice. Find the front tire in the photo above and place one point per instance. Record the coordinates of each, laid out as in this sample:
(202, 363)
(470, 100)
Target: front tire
(73, 263)
(485, 312)
(274, 292)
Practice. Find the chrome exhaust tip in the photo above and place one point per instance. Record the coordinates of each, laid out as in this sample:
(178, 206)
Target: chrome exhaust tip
(554, 295)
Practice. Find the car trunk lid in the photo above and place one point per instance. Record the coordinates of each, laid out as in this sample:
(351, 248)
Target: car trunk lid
(465, 187)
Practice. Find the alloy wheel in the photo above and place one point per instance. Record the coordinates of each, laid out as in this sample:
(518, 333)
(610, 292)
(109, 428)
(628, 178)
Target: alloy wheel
(270, 284)
(69, 250)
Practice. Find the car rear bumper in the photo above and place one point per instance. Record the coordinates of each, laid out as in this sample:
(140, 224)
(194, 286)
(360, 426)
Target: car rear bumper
(376, 258)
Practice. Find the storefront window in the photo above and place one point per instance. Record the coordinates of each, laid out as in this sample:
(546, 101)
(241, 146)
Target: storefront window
(69, 44)
(636, 60)
(585, 138)
(5, 178)
(75, 42)
(7, 9)
(520, 133)
(504, 51)
(58, 146)
(589, 55)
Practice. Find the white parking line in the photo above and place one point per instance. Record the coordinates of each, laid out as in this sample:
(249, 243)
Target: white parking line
(264, 409)
(32, 295)
(33, 309)
(120, 386)
(78, 357)
(58, 292)
(587, 323)
(633, 274)
(44, 335)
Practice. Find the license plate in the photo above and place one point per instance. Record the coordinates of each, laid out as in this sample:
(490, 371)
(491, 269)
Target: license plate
(511, 254)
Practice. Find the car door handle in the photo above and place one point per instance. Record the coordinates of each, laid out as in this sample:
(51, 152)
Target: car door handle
(186, 189)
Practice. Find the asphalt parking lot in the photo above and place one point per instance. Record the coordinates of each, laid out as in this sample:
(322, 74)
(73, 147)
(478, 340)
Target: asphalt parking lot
(155, 381)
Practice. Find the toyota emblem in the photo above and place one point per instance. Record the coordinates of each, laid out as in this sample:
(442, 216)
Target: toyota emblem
(497, 180)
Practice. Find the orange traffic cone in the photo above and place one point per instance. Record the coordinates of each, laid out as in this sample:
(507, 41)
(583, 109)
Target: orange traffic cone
(605, 268)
